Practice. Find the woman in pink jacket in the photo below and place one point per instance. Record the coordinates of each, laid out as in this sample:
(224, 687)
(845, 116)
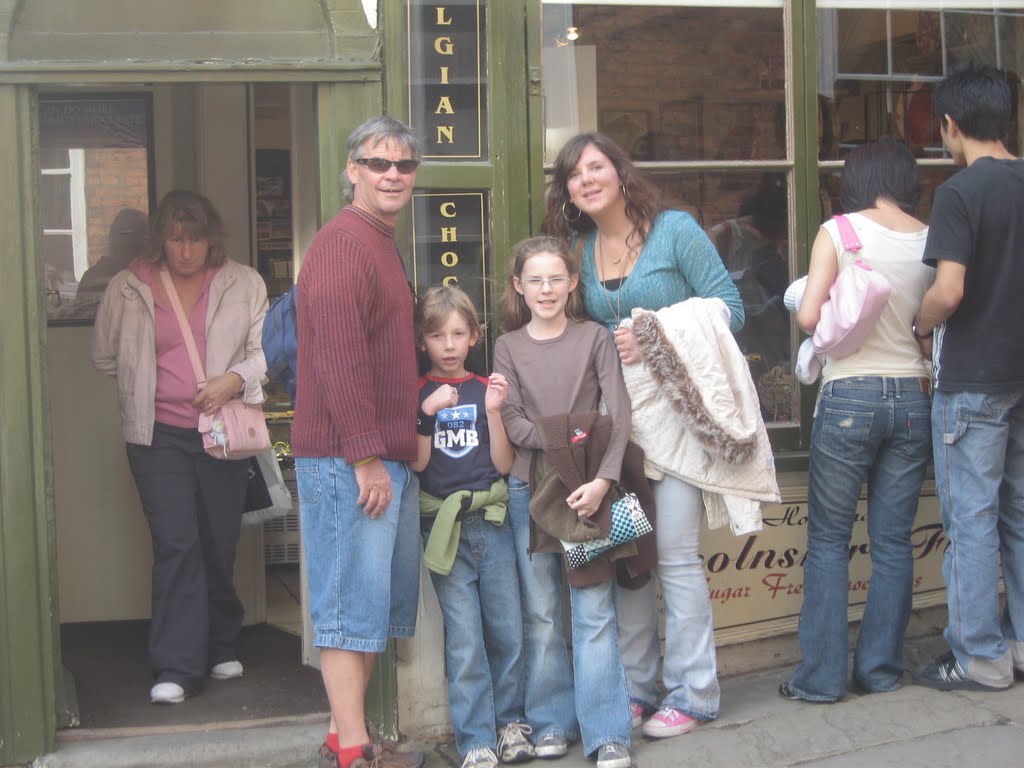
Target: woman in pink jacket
(192, 502)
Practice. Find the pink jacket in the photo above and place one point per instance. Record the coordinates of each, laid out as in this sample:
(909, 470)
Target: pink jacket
(123, 341)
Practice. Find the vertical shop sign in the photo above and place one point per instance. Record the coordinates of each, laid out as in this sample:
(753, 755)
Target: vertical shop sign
(450, 245)
(446, 77)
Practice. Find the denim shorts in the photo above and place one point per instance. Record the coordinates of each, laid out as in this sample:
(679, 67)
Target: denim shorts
(363, 573)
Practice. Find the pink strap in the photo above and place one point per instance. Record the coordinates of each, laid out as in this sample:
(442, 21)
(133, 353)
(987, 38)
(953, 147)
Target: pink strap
(186, 329)
(850, 240)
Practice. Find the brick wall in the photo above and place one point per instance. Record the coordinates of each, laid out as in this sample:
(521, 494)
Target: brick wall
(115, 179)
(709, 83)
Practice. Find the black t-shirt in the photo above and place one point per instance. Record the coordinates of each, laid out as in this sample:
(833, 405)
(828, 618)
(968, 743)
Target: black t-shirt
(978, 221)
(460, 451)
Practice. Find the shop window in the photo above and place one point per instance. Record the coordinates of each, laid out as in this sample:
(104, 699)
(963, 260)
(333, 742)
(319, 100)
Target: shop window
(95, 192)
(877, 65)
(696, 93)
(667, 81)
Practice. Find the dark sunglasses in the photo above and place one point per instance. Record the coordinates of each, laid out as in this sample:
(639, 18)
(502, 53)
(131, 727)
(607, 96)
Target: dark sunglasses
(380, 165)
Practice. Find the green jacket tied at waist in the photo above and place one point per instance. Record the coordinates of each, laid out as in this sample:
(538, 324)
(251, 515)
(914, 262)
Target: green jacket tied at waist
(443, 542)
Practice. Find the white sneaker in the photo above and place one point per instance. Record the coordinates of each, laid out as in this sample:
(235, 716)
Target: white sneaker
(551, 746)
(513, 746)
(166, 693)
(481, 757)
(613, 756)
(227, 670)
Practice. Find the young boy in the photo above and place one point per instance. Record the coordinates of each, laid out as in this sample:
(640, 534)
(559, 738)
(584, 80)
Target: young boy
(464, 454)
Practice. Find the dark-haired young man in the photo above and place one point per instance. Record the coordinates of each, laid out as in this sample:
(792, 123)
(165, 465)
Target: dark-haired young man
(975, 313)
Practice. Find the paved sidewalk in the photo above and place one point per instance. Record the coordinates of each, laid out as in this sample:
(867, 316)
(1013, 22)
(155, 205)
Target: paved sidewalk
(907, 728)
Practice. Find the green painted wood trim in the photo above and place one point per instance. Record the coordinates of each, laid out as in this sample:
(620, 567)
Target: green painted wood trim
(341, 107)
(29, 654)
(535, 111)
(805, 66)
(508, 119)
(33, 73)
(352, 37)
(8, 18)
(511, 134)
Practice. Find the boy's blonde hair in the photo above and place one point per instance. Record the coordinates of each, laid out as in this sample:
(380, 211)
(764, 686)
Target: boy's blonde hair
(437, 304)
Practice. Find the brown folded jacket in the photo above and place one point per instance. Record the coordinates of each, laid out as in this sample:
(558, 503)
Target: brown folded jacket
(574, 446)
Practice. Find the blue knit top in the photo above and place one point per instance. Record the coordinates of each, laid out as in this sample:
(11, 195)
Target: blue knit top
(677, 262)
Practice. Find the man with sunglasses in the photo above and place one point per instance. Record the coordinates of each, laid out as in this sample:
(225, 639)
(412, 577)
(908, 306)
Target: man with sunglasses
(354, 433)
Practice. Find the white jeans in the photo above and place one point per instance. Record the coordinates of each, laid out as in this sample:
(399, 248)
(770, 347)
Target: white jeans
(690, 669)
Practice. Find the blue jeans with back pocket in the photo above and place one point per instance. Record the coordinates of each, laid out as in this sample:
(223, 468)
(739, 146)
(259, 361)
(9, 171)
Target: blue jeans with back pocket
(979, 478)
(874, 429)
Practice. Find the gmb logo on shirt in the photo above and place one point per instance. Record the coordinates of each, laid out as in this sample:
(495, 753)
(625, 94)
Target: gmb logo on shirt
(455, 434)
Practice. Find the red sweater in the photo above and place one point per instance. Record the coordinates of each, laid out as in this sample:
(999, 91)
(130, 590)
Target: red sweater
(357, 374)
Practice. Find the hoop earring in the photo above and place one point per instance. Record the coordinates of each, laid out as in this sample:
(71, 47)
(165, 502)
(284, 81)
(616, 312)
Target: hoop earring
(625, 196)
(565, 213)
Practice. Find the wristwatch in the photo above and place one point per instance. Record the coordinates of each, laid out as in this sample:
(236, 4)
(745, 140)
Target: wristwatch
(913, 330)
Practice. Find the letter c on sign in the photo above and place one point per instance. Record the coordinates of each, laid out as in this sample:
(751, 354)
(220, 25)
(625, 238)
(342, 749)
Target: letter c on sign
(448, 210)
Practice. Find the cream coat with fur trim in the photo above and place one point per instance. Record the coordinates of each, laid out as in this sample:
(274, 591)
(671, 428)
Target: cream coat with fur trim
(696, 413)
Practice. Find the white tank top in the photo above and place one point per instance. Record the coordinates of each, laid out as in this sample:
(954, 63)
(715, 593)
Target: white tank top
(890, 349)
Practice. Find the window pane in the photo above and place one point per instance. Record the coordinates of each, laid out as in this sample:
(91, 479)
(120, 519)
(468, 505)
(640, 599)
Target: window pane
(746, 216)
(970, 37)
(931, 179)
(860, 45)
(916, 47)
(102, 196)
(667, 83)
(53, 157)
(55, 201)
(876, 68)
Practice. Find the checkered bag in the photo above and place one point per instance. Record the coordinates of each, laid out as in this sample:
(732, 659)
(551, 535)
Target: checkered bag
(628, 522)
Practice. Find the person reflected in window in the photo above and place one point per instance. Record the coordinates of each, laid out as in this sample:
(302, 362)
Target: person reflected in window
(193, 502)
(751, 247)
(126, 241)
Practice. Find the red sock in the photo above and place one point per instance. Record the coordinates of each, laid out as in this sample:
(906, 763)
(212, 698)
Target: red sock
(347, 755)
(332, 743)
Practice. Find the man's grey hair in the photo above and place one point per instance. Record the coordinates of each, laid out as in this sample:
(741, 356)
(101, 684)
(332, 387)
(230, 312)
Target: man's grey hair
(374, 131)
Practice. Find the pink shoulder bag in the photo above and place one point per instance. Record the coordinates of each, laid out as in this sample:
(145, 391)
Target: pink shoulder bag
(856, 300)
(236, 430)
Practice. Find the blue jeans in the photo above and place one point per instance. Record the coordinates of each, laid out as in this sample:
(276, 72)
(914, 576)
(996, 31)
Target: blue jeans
(364, 574)
(602, 701)
(690, 668)
(483, 640)
(875, 429)
(549, 685)
(978, 440)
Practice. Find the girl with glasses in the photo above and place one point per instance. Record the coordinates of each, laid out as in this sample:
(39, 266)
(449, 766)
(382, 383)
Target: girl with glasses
(557, 363)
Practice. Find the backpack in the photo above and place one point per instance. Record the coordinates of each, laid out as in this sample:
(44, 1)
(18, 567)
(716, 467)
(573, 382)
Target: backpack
(280, 345)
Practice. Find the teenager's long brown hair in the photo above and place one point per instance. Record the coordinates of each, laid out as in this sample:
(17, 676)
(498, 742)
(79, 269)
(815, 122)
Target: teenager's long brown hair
(515, 312)
(642, 197)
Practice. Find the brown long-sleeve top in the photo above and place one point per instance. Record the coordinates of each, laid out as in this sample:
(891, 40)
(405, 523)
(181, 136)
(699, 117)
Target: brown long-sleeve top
(356, 382)
(566, 374)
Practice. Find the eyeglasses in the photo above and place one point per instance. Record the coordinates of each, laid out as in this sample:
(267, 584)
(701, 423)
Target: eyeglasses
(381, 165)
(537, 283)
